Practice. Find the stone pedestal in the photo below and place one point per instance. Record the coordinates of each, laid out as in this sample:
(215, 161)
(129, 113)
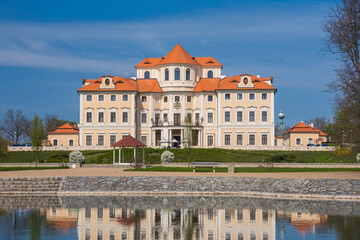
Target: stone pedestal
(231, 167)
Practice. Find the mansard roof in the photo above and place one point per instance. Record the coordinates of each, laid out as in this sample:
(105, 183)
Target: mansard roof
(230, 83)
(123, 84)
(207, 85)
(66, 128)
(304, 128)
(179, 55)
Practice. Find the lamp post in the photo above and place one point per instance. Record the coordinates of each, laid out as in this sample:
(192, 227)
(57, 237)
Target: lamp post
(351, 136)
(343, 136)
(281, 117)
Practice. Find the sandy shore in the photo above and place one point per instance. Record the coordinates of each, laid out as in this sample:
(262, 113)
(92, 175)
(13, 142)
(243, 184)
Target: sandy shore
(120, 172)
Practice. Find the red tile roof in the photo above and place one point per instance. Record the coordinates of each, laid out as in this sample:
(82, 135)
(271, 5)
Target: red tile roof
(179, 55)
(66, 128)
(207, 85)
(148, 85)
(128, 141)
(121, 84)
(208, 61)
(232, 83)
(302, 127)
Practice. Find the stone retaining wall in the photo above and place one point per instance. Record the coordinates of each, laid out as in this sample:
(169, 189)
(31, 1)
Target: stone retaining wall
(240, 186)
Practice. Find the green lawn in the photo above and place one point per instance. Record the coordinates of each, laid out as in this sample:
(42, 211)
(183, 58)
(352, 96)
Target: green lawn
(28, 168)
(198, 154)
(245, 169)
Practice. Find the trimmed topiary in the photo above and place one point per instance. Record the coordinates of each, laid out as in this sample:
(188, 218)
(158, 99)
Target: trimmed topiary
(167, 157)
(76, 157)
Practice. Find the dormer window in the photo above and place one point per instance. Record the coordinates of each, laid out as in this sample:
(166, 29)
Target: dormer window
(177, 73)
(210, 74)
(246, 80)
(166, 74)
(188, 74)
(147, 75)
(107, 82)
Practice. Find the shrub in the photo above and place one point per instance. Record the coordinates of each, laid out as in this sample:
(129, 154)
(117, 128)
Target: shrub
(358, 158)
(76, 157)
(4, 143)
(281, 158)
(342, 151)
(167, 157)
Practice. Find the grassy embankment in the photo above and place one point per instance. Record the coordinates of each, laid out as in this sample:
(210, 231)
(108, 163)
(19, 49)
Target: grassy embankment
(28, 168)
(153, 156)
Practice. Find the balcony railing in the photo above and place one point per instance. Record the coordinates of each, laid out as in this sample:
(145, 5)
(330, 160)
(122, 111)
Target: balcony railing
(175, 123)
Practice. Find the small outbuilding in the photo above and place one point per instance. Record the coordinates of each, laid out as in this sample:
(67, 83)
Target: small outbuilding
(128, 142)
(66, 136)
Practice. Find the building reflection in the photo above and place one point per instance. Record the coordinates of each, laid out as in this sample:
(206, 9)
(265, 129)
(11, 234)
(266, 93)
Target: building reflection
(166, 224)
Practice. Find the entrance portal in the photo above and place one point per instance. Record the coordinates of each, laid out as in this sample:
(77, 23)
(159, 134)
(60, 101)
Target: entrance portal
(177, 136)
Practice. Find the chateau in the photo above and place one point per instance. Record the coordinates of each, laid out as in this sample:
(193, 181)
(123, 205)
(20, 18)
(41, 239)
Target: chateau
(224, 111)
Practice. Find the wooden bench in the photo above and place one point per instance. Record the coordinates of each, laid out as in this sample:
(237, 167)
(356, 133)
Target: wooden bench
(212, 165)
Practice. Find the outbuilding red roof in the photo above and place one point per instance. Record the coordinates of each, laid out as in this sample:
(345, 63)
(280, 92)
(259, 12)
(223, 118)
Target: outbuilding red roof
(66, 128)
(128, 141)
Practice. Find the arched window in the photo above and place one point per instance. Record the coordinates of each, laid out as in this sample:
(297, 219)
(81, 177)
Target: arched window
(147, 75)
(166, 74)
(177, 73)
(188, 74)
(210, 74)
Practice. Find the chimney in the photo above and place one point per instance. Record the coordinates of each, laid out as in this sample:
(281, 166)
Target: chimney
(311, 125)
(258, 76)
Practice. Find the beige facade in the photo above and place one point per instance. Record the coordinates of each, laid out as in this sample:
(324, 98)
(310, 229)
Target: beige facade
(225, 111)
(65, 136)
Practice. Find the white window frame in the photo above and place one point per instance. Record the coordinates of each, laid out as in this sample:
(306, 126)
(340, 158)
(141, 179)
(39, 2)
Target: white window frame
(237, 97)
(87, 97)
(250, 134)
(225, 135)
(112, 135)
(57, 142)
(250, 97)
(91, 142)
(98, 117)
(212, 117)
(254, 115)
(71, 139)
(143, 99)
(127, 97)
(267, 117)
(207, 140)
(225, 116)
(177, 97)
(146, 139)
(127, 116)
(113, 112)
(267, 139)
(227, 94)
(167, 100)
(103, 138)
(237, 116)
(299, 141)
(142, 117)
(111, 96)
(86, 116)
(242, 139)
(265, 98)
(103, 98)
(212, 97)
(187, 99)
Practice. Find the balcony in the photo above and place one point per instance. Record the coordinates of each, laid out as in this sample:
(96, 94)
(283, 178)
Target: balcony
(174, 123)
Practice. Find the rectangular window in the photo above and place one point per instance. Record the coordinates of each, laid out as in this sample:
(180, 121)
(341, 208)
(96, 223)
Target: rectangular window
(101, 98)
(188, 98)
(264, 116)
(113, 117)
(143, 118)
(210, 140)
(252, 139)
(265, 236)
(227, 139)
(210, 98)
(310, 141)
(264, 139)
(144, 139)
(165, 99)
(101, 117)
(240, 215)
(265, 216)
(125, 98)
(89, 98)
(113, 98)
(71, 142)
(100, 140)
(252, 116)
(177, 98)
(88, 117)
(227, 116)
(240, 236)
(239, 96)
(298, 141)
(239, 139)
(55, 142)
(165, 117)
(112, 139)
(125, 117)
(227, 96)
(210, 118)
(177, 119)
(239, 116)
(264, 96)
(251, 96)
(88, 140)
(143, 99)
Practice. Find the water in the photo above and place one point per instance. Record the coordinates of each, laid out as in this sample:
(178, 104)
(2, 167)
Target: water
(165, 218)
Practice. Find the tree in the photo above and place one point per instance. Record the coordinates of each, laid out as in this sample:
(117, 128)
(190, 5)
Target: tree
(343, 38)
(4, 143)
(52, 122)
(188, 137)
(37, 135)
(15, 126)
(319, 122)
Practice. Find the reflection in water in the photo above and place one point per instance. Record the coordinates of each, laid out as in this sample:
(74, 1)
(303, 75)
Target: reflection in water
(98, 222)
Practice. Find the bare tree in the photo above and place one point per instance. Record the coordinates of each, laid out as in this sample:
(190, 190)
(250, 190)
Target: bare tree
(343, 39)
(15, 126)
(319, 122)
(52, 122)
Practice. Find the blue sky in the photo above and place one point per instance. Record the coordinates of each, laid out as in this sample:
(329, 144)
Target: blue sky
(47, 47)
